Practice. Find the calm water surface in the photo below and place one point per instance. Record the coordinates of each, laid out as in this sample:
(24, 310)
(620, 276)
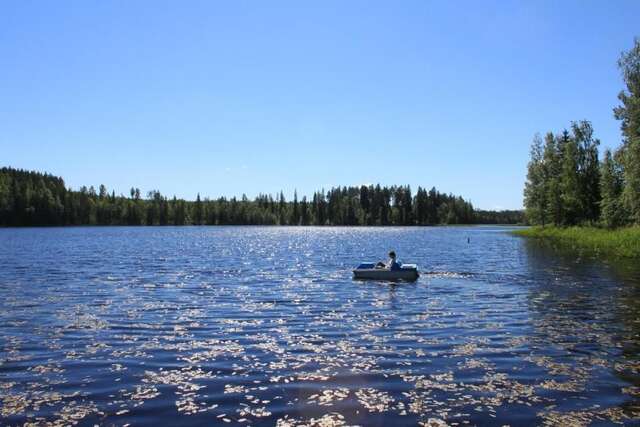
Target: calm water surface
(265, 326)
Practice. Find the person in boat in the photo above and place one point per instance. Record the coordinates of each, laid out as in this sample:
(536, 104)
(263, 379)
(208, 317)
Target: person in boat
(392, 264)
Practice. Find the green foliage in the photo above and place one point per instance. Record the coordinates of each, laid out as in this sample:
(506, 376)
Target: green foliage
(31, 198)
(535, 197)
(40, 199)
(563, 178)
(499, 217)
(629, 115)
(588, 171)
(623, 242)
(552, 161)
(611, 184)
(570, 183)
(566, 184)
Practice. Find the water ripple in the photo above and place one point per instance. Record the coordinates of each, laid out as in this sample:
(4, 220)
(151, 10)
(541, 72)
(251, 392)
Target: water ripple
(264, 326)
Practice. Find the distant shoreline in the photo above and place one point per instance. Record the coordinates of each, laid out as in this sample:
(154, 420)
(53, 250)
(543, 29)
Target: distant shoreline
(262, 225)
(30, 198)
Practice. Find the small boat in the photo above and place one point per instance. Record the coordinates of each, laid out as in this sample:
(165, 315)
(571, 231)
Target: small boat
(368, 270)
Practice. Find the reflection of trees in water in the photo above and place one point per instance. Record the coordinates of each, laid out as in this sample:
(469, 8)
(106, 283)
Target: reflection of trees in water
(572, 290)
(585, 310)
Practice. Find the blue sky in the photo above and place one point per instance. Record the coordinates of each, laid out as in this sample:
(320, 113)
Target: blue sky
(225, 98)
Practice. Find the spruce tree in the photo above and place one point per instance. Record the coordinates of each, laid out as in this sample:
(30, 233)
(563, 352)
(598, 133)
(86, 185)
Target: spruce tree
(198, 213)
(295, 211)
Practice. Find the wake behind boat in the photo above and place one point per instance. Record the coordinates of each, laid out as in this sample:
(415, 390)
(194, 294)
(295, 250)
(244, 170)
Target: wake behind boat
(369, 271)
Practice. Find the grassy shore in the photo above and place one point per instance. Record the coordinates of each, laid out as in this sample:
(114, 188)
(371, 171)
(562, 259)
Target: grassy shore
(622, 242)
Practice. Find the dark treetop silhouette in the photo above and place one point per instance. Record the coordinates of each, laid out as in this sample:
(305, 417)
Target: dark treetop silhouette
(33, 198)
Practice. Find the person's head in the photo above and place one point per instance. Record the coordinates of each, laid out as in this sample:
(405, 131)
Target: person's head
(392, 254)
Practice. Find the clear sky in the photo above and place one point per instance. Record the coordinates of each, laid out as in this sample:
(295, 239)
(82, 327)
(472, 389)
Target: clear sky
(225, 98)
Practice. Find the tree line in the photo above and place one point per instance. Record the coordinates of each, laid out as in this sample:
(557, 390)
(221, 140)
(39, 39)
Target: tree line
(499, 217)
(567, 183)
(35, 199)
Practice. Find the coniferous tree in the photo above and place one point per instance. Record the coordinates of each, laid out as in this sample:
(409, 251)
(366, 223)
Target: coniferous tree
(282, 209)
(295, 211)
(30, 198)
(198, 212)
(304, 211)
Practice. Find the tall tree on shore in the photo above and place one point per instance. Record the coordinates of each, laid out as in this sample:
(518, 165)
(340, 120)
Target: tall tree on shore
(588, 170)
(629, 115)
(295, 210)
(198, 214)
(282, 207)
(535, 200)
(570, 191)
(552, 160)
(304, 211)
(611, 209)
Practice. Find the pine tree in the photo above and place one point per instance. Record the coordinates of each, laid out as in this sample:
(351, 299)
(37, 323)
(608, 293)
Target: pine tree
(304, 211)
(198, 214)
(295, 211)
(29, 198)
(282, 206)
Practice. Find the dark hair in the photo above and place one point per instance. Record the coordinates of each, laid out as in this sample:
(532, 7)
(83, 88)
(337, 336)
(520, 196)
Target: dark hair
(392, 254)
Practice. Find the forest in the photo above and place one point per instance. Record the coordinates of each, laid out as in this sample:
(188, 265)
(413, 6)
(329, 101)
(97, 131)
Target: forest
(37, 199)
(568, 184)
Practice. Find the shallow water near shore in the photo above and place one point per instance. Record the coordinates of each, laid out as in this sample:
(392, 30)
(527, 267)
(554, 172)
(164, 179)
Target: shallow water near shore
(265, 326)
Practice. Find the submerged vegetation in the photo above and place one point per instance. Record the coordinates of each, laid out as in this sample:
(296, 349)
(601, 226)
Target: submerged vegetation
(621, 242)
(33, 198)
(597, 201)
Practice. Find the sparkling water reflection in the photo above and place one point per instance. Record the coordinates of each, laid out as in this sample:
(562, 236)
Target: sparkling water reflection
(264, 326)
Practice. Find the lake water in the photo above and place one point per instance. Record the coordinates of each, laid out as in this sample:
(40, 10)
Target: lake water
(265, 326)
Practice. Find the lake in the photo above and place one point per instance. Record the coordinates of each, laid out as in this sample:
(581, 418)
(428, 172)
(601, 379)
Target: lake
(264, 326)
